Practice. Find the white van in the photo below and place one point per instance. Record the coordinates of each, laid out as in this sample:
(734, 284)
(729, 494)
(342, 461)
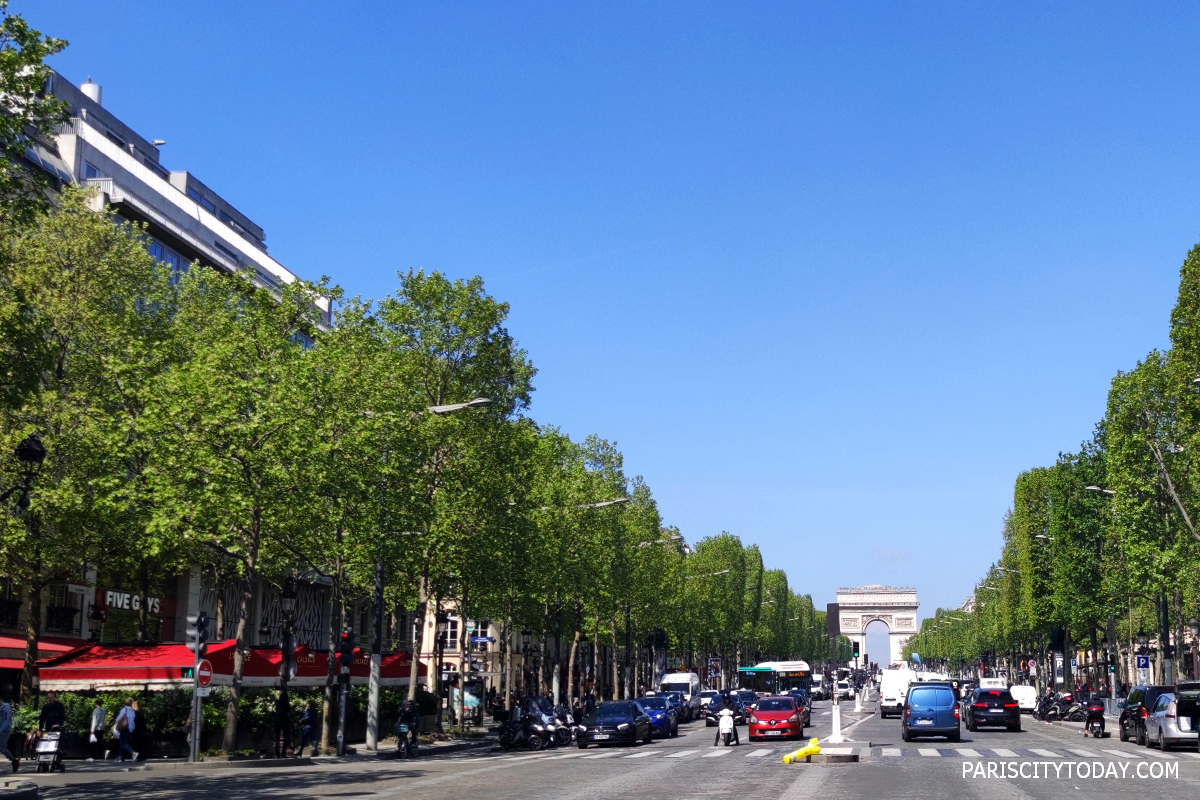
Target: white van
(994, 683)
(688, 683)
(1026, 697)
(817, 689)
(893, 688)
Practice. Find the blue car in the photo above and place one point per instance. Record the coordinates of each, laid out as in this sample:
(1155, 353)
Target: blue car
(663, 719)
(930, 710)
(679, 704)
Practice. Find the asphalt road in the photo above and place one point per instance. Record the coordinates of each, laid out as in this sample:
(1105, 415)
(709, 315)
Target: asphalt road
(985, 765)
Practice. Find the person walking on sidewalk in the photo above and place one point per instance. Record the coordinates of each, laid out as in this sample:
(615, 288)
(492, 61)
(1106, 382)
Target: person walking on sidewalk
(96, 731)
(123, 727)
(308, 729)
(6, 716)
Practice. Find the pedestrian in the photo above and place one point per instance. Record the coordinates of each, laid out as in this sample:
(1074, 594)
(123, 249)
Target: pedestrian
(123, 728)
(140, 735)
(308, 728)
(283, 725)
(6, 717)
(53, 716)
(577, 711)
(589, 703)
(96, 731)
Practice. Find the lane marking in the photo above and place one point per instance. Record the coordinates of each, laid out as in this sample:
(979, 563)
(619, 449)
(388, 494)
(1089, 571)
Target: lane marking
(723, 752)
(1086, 754)
(890, 752)
(969, 753)
(1157, 754)
(761, 753)
(681, 754)
(1046, 753)
(929, 752)
(1122, 754)
(598, 755)
(1004, 753)
(640, 755)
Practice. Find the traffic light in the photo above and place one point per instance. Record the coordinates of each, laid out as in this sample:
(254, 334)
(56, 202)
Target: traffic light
(197, 634)
(346, 649)
(856, 649)
(1112, 662)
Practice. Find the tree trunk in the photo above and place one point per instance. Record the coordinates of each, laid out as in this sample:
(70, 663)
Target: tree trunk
(613, 659)
(463, 642)
(571, 661)
(229, 744)
(336, 620)
(1177, 602)
(33, 628)
(219, 584)
(543, 678)
(419, 632)
(596, 681)
(144, 600)
(506, 648)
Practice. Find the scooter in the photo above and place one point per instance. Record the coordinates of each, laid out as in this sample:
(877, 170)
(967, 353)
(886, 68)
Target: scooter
(725, 726)
(1095, 720)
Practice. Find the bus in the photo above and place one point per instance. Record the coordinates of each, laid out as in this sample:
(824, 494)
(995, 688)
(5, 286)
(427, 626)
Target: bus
(775, 677)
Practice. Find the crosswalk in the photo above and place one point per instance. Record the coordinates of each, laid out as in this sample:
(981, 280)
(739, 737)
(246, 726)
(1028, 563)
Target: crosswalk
(1032, 752)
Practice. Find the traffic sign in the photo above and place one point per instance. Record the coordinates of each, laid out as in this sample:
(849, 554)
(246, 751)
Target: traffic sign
(204, 673)
(1033, 663)
(203, 691)
(482, 639)
(1073, 664)
(1143, 662)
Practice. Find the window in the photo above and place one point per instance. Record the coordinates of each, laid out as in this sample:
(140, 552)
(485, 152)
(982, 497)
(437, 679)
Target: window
(90, 171)
(202, 200)
(166, 255)
(448, 638)
(227, 251)
(62, 614)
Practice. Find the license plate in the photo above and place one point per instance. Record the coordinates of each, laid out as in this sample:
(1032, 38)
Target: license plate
(924, 722)
(600, 736)
(996, 710)
(773, 733)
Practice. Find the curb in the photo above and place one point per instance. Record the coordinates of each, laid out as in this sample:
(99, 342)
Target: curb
(249, 763)
(453, 747)
(18, 790)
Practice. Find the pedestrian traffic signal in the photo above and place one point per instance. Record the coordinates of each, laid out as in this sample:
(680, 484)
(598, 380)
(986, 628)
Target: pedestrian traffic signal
(197, 634)
(346, 649)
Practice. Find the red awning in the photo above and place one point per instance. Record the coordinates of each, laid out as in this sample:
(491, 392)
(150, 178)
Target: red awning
(125, 667)
(14, 646)
(12, 663)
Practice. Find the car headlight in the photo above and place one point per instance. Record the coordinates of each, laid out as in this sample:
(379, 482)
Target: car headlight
(623, 726)
(753, 720)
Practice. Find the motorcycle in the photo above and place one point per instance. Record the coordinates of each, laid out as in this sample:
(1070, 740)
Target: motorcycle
(1094, 726)
(725, 726)
(525, 732)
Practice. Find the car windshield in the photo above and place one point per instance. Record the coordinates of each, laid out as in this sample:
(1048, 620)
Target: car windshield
(676, 696)
(708, 693)
(776, 704)
(751, 696)
(654, 702)
(545, 705)
(615, 711)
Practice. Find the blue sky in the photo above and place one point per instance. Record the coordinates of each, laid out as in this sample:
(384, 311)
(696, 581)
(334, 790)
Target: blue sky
(831, 275)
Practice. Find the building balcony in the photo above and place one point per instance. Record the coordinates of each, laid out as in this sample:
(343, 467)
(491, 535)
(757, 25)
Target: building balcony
(61, 619)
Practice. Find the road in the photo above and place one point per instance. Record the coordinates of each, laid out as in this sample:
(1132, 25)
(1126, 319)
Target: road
(689, 766)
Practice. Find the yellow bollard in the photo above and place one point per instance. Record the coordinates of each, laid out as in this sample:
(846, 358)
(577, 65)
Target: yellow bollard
(811, 749)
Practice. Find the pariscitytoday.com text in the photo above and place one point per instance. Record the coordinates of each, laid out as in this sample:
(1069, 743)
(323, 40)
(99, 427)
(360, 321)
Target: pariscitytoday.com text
(1071, 770)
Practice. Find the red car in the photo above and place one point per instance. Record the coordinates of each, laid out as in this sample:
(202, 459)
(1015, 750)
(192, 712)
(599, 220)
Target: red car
(776, 718)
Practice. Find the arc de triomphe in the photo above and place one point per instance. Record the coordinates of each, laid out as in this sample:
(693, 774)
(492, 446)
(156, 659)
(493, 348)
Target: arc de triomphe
(894, 606)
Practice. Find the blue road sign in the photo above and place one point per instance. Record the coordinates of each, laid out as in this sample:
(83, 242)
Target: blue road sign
(1143, 662)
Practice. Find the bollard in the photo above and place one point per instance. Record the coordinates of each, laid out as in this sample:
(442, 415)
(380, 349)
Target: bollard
(811, 749)
(836, 737)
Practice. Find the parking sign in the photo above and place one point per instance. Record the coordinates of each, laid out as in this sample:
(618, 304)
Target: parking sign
(1143, 662)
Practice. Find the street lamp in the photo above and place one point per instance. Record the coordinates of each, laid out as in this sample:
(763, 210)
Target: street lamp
(1194, 628)
(1142, 639)
(478, 402)
(1044, 537)
(1098, 489)
(31, 453)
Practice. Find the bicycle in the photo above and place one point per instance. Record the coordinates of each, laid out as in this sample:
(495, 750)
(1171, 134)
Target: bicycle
(407, 748)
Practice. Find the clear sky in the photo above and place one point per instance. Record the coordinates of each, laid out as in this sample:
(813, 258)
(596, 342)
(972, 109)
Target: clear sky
(831, 275)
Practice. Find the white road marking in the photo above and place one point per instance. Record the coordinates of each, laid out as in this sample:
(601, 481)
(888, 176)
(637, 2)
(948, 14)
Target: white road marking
(761, 753)
(929, 752)
(1087, 754)
(1122, 753)
(722, 752)
(1004, 753)
(1190, 755)
(1157, 754)
(969, 753)
(681, 754)
(600, 755)
(641, 755)
(890, 752)
(1046, 753)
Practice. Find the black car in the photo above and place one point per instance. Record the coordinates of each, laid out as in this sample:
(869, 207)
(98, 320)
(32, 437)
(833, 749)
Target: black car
(1132, 722)
(749, 699)
(804, 703)
(618, 722)
(991, 707)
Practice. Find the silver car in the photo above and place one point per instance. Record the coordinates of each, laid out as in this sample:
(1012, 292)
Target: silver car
(1172, 721)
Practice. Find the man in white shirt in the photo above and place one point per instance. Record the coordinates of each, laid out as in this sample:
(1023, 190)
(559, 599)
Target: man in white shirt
(96, 730)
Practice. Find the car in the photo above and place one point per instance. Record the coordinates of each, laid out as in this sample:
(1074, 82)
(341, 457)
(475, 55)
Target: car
(1026, 697)
(930, 710)
(1172, 720)
(1131, 724)
(817, 688)
(893, 688)
(776, 718)
(843, 690)
(739, 711)
(748, 698)
(688, 685)
(804, 703)
(991, 707)
(683, 712)
(663, 718)
(706, 697)
(616, 722)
